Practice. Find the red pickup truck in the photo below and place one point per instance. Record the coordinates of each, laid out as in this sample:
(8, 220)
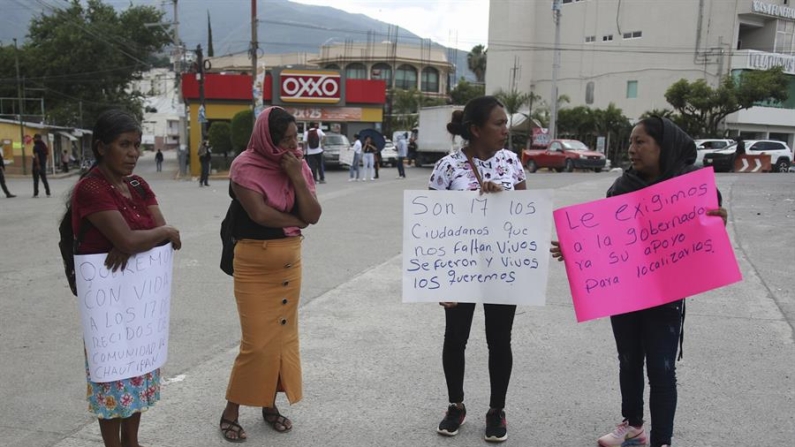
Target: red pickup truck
(563, 155)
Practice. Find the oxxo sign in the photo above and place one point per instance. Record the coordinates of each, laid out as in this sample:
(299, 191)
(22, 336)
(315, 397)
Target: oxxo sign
(310, 86)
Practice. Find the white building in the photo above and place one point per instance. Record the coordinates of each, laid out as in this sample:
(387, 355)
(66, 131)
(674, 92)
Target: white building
(629, 52)
(162, 108)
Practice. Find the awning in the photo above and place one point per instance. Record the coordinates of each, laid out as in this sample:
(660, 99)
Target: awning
(68, 135)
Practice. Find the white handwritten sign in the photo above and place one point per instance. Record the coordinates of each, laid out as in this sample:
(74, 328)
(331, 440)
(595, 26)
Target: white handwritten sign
(125, 314)
(464, 247)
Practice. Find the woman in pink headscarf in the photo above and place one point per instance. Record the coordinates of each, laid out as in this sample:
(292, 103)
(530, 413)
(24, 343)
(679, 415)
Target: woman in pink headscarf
(274, 188)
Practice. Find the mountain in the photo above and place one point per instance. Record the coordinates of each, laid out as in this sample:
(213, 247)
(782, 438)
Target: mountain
(284, 26)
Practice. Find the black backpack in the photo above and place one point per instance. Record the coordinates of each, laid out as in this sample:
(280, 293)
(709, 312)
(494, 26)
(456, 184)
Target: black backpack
(69, 244)
(312, 139)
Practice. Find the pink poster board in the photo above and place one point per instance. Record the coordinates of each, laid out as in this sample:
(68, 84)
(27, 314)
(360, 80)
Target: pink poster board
(646, 248)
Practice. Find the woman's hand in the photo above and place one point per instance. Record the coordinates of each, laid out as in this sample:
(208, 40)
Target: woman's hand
(448, 304)
(720, 212)
(116, 260)
(555, 250)
(172, 234)
(490, 187)
(292, 166)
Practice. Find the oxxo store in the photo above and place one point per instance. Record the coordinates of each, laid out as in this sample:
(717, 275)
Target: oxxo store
(337, 104)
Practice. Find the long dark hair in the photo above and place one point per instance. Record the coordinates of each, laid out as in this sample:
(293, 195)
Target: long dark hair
(278, 121)
(476, 112)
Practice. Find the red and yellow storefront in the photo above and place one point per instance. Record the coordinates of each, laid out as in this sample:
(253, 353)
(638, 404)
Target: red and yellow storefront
(311, 95)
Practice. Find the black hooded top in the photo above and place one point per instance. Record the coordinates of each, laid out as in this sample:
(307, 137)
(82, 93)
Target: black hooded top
(677, 155)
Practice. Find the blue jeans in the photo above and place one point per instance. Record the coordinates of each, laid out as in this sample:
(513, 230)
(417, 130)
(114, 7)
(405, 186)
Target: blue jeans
(401, 169)
(357, 158)
(651, 335)
(369, 166)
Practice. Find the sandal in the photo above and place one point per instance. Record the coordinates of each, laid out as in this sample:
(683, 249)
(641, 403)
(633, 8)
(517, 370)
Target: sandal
(276, 420)
(232, 427)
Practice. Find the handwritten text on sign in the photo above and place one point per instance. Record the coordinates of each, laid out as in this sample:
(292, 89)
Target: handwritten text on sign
(646, 248)
(125, 313)
(464, 247)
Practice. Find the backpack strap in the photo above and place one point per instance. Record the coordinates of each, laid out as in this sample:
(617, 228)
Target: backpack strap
(138, 187)
(474, 168)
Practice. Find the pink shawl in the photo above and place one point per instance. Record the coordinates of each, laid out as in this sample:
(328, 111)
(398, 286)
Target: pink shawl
(258, 169)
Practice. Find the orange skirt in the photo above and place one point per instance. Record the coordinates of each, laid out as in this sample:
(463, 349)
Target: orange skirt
(267, 290)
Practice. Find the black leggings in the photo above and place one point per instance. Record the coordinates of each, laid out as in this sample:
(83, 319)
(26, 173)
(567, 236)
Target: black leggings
(499, 322)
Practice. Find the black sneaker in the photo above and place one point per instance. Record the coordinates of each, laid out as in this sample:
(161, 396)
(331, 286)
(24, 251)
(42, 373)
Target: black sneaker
(453, 419)
(496, 426)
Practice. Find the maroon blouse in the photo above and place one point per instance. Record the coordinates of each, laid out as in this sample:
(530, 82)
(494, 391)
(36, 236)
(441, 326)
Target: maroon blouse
(93, 193)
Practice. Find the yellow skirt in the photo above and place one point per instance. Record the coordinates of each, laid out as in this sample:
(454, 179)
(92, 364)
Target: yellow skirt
(267, 290)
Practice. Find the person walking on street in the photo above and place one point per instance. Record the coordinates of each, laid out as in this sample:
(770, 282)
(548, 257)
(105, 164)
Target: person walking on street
(659, 150)
(3, 176)
(313, 138)
(402, 152)
(40, 153)
(205, 157)
(159, 160)
(482, 165)
(357, 159)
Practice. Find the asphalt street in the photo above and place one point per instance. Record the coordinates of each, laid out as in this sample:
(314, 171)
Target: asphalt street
(372, 365)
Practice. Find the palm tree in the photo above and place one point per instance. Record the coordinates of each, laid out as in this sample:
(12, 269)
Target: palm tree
(476, 61)
(513, 102)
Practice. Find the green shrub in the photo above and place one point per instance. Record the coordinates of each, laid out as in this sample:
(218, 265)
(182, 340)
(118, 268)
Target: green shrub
(242, 126)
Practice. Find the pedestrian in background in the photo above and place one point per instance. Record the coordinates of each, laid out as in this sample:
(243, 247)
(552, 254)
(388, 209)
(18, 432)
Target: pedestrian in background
(369, 151)
(40, 154)
(313, 138)
(274, 185)
(159, 160)
(357, 159)
(205, 157)
(658, 151)
(402, 151)
(122, 217)
(482, 165)
(3, 176)
(65, 161)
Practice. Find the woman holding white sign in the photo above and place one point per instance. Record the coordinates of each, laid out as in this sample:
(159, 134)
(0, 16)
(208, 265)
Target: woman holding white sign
(482, 165)
(113, 211)
(658, 151)
(274, 185)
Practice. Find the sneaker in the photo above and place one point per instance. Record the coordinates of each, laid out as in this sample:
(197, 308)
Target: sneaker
(10, 196)
(623, 436)
(496, 426)
(453, 419)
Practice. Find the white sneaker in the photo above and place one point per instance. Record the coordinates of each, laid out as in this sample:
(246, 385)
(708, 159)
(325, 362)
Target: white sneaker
(624, 435)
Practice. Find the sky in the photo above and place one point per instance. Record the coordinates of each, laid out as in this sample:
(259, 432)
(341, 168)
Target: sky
(460, 24)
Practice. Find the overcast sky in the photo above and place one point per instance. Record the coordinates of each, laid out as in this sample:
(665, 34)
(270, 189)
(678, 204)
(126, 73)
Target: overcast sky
(453, 23)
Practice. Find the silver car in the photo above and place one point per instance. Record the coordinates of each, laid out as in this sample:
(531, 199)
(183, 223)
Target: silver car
(333, 143)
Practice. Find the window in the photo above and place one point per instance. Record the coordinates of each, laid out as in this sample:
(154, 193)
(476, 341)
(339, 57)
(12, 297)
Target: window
(589, 93)
(382, 71)
(632, 89)
(589, 39)
(430, 80)
(406, 77)
(356, 71)
(633, 35)
(785, 34)
(607, 38)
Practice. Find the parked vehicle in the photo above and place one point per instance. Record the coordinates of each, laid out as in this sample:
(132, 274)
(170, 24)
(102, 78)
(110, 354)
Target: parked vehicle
(433, 140)
(333, 144)
(389, 154)
(780, 155)
(707, 147)
(563, 155)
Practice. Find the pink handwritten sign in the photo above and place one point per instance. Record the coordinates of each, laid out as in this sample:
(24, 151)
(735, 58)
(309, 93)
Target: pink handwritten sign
(646, 248)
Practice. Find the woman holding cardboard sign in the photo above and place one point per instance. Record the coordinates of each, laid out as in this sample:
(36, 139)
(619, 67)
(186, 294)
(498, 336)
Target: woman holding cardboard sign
(112, 211)
(658, 151)
(482, 165)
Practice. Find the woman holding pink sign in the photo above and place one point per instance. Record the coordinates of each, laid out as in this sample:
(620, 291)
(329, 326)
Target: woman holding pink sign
(658, 151)
(482, 165)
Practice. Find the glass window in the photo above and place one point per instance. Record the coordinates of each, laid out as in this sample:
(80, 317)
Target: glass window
(382, 71)
(607, 38)
(785, 34)
(406, 77)
(430, 80)
(590, 39)
(356, 71)
(589, 92)
(632, 89)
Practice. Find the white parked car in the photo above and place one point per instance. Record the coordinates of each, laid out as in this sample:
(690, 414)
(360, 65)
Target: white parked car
(389, 154)
(704, 147)
(780, 155)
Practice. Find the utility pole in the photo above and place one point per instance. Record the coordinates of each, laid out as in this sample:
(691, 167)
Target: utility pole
(182, 149)
(21, 111)
(202, 107)
(553, 119)
(253, 50)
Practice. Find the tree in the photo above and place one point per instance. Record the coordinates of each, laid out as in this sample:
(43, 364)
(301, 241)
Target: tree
(464, 91)
(476, 61)
(241, 128)
(83, 57)
(702, 108)
(220, 136)
(210, 51)
(513, 102)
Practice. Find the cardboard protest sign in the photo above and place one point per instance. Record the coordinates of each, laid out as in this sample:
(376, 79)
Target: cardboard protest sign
(646, 248)
(125, 314)
(465, 247)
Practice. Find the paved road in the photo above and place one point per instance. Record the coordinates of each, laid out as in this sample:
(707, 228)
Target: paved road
(372, 365)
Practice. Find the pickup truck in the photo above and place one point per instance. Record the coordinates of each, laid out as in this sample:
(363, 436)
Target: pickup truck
(563, 155)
